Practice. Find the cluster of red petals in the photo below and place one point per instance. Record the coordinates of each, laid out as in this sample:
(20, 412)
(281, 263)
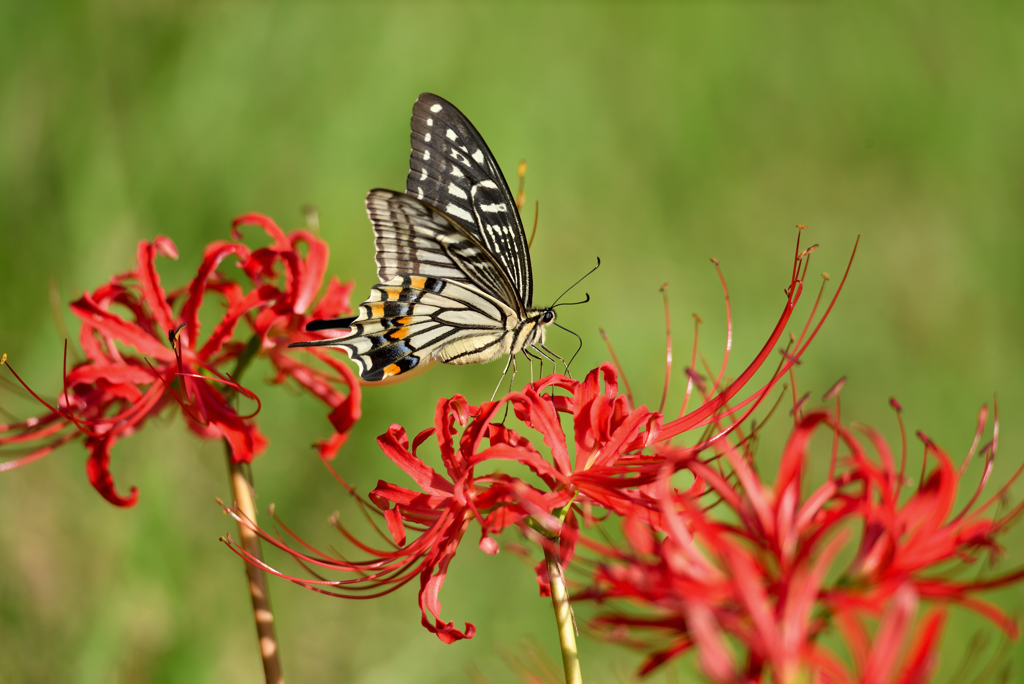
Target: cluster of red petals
(760, 565)
(441, 507)
(144, 350)
(611, 464)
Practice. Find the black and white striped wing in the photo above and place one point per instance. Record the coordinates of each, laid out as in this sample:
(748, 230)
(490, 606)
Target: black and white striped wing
(414, 239)
(452, 170)
(410, 321)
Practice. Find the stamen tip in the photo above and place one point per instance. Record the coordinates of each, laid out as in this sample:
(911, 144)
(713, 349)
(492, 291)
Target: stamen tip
(172, 335)
(835, 389)
(895, 404)
(312, 217)
(3, 359)
(825, 276)
(714, 261)
(801, 226)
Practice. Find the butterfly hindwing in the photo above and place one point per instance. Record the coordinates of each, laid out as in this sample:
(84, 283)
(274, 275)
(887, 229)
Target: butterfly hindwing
(410, 320)
(452, 170)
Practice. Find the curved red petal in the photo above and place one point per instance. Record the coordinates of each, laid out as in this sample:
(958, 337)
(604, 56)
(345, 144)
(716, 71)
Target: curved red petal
(97, 468)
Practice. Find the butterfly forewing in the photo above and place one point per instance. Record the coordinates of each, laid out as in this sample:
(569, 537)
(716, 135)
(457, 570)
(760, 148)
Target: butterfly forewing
(452, 170)
(415, 238)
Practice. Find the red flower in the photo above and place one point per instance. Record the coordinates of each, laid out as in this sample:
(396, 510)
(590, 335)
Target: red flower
(285, 315)
(613, 465)
(757, 570)
(112, 393)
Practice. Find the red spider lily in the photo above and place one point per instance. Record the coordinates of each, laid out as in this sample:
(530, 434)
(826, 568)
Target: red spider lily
(763, 570)
(289, 312)
(143, 351)
(612, 463)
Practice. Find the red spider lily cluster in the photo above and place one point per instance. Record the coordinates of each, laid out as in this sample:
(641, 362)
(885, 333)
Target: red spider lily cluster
(730, 559)
(759, 563)
(613, 461)
(144, 351)
(743, 571)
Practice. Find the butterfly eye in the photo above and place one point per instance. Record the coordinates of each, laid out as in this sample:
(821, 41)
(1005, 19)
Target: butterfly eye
(548, 316)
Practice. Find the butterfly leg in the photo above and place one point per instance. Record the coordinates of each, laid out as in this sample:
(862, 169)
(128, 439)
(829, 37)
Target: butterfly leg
(527, 354)
(514, 370)
(553, 358)
(511, 359)
(568, 374)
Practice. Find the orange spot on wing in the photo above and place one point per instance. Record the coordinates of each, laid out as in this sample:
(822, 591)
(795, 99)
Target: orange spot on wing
(423, 366)
(392, 293)
(404, 320)
(399, 333)
(418, 282)
(377, 311)
(393, 369)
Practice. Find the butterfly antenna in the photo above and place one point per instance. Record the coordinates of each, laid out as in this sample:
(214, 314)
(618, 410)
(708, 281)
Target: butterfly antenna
(577, 283)
(586, 298)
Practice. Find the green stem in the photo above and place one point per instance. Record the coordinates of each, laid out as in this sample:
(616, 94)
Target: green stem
(563, 614)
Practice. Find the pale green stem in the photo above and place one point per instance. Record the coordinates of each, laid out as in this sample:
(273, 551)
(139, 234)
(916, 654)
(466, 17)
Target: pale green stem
(250, 541)
(563, 615)
(258, 589)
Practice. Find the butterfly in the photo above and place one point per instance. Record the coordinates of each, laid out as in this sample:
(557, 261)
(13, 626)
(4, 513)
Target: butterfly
(456, 283)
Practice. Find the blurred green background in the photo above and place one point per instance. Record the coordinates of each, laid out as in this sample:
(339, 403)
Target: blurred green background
(657, 135)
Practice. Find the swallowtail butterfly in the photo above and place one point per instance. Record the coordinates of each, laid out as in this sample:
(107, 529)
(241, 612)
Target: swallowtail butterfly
(456, 285)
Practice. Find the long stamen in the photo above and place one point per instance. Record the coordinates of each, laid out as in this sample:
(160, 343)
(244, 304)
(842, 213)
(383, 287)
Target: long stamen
(668, 349)
(622, 372)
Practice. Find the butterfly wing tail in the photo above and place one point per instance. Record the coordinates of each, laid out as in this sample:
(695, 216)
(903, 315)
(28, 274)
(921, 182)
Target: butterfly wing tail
(330, 324)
